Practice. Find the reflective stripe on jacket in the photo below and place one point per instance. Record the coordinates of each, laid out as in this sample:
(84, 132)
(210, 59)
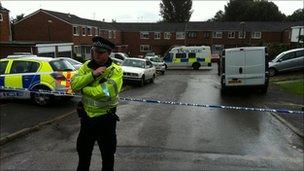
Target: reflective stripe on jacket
(100, 94)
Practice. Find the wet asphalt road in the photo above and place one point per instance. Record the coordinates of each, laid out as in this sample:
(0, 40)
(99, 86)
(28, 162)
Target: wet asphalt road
(163, 137)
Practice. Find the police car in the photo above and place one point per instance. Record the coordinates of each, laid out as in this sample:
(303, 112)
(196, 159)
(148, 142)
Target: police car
(189, 57)
(35, 74)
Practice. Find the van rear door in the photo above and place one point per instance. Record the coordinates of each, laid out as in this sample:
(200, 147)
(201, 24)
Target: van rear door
(234, 66)
(254, 70)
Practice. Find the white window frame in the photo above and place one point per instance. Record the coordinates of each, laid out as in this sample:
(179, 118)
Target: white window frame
(144, 48)
(96, 31)
(253, 35)
(217, 34)
(89, 32)
(180, 35)
(77, 31)
(192, 34)
(1, 17)
(85, 31)
(240, 37)
(114, 34)
(167, 35)
(77, 49)
(110, 34)
(143, 35)
(157, 35)
(206, 35)
(231, 34)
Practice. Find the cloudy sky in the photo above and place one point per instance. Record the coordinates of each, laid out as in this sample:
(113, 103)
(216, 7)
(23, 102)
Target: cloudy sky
(130, 11)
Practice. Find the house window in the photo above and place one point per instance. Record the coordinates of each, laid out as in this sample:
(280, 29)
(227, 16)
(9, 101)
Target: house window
(206, 35)
(1, 17)
(114, 34)
(242, 35)
(145, 48)
(89, 31)
(231, 34)
(75, 30)
(192, 34)
(96, 31)
(76, 49)
(180, 35)
(217, 34)
(156, 35)
(111, 34)
(256, 35)
(144, 35)
(167, 35)
(83, 31)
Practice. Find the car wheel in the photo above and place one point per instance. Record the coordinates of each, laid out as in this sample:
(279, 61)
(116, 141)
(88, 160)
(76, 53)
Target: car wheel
(196, 66)
(163, 72)
(272, 72)
(40, 98)
(142, 81)
(153, 78)
(223, 87)
(264, 89)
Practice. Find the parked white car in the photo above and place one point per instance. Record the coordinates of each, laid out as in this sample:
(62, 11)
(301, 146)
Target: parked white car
(76, 64)
(118, 57)
(159, 64)
(139, 70)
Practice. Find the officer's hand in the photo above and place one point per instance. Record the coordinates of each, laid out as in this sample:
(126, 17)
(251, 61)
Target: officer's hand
(97, 72)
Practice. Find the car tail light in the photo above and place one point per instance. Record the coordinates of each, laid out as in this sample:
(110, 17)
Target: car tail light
(58, 76)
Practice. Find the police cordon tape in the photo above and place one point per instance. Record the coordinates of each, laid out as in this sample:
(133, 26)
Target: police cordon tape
(7, 91)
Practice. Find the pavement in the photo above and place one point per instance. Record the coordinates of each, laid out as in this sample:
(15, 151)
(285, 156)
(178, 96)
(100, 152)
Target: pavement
(163, 137)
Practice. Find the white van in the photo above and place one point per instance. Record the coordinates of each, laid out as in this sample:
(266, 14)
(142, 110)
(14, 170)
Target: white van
(244, 66)
(188, 57)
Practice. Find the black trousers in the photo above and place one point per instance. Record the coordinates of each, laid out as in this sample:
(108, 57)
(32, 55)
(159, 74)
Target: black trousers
(103, 130)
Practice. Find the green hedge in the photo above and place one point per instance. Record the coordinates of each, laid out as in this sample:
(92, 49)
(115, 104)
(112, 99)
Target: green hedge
(276, 48)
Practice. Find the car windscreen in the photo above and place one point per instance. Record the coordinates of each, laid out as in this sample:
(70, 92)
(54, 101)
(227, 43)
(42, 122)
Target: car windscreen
(74, 62)
(155, 60)
(61, 65)
(134, 63)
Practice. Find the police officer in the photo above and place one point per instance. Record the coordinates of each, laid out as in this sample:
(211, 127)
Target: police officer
(100, 81)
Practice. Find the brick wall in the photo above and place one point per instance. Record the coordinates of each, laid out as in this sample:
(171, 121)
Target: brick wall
(4, 27)
(43, 27)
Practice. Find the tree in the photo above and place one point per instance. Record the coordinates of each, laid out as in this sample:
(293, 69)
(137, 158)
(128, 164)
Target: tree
(298, 15)
(219, 16)
(18, 18)
(176, 11)
(250, 10)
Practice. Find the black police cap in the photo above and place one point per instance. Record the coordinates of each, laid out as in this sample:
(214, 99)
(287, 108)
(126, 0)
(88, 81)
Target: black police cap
(102, 45)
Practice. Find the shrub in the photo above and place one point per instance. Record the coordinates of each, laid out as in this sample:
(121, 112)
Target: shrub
(276, 48)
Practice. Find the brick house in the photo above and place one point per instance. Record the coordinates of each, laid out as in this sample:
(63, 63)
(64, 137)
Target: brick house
(159, 37)
(5, 30)
(140, 38)
(50, 26)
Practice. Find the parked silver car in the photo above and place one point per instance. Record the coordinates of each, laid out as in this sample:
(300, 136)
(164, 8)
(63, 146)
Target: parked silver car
(287, 61)
(159, 64)
(118, 57)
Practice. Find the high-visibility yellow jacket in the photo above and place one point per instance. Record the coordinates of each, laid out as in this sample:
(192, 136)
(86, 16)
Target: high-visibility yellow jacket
(99, 94)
